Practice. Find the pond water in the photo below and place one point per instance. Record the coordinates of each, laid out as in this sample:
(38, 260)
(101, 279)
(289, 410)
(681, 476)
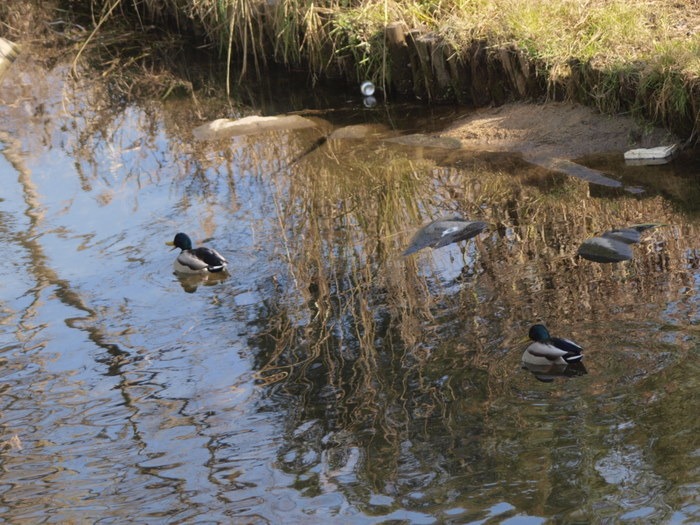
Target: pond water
(327, 378)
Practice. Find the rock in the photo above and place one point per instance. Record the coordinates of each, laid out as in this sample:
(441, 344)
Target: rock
(426, 141)
(442, 232)
(605, 250)
(223, 128)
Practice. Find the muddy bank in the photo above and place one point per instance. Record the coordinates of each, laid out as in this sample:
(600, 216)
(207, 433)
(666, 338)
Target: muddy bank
(426, 66)
(435, 64)
(564, 130)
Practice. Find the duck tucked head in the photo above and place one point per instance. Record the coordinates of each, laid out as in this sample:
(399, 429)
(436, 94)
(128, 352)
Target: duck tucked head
(546, 350)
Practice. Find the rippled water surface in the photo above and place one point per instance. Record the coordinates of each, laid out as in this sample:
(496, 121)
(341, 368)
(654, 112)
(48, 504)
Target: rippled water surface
(328, 378)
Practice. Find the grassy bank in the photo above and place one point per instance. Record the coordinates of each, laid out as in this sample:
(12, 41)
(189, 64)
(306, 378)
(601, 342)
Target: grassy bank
(619, 55)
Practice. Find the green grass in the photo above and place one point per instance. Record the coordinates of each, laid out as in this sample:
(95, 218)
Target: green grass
(301, 31)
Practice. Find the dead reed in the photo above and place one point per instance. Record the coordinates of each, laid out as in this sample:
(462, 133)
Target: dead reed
(619, 55)
(366, 336)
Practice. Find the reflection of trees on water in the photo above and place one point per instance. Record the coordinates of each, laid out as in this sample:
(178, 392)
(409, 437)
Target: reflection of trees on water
(413, 383)
(400, 381)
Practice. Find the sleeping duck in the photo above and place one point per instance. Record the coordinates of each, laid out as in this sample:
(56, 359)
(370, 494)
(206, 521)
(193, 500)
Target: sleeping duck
(196, 260)
(547, 350)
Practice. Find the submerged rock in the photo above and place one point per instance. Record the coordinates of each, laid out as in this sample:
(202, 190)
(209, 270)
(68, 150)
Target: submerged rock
(426, 141)
(442, 232)
(224, 127)
(631, 234)
(359, 131)
(605, 250)
(574, 170)
(613, 245)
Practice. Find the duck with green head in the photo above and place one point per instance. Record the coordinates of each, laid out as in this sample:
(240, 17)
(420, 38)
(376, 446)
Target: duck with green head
(547, 350)
(199, 260)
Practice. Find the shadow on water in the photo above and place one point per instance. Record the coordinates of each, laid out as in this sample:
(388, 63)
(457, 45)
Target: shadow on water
(405, 375)
(328, 376)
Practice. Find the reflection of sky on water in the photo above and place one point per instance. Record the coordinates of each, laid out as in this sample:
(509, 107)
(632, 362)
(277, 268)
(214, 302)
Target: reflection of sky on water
(127, 392)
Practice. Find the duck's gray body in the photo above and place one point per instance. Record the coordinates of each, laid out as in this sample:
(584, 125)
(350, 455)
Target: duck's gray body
(444, 231)
(551, 353)
(200, 260)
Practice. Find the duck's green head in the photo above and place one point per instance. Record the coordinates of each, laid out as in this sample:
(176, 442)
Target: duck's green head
(181, 241)
(538, 332)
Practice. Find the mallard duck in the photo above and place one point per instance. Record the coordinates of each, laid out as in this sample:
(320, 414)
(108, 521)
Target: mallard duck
(442, 232)
(546, 350)
(196, 260)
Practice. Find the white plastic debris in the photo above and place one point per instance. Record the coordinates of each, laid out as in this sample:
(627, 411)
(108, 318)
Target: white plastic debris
(658, 155)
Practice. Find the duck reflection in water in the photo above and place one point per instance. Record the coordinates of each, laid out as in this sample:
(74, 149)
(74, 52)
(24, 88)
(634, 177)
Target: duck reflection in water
(547, 373)
(190, 282)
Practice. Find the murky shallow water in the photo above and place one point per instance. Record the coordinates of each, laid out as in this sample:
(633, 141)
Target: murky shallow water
(328, 377)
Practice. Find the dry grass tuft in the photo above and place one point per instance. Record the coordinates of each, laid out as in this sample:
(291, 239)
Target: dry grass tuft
(625, 55)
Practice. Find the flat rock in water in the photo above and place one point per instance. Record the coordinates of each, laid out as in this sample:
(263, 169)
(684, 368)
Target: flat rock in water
(605, 250)
(631, 234)
(575, 170)
(223, 128)
(427, 141)
(359, 131)
(442, 232)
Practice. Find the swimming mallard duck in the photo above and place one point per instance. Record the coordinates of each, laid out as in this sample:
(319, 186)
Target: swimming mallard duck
(547, 350)
(196, 260)
(442, 232)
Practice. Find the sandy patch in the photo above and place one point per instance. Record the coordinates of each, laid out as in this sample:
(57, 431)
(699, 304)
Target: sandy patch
(561, 130)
